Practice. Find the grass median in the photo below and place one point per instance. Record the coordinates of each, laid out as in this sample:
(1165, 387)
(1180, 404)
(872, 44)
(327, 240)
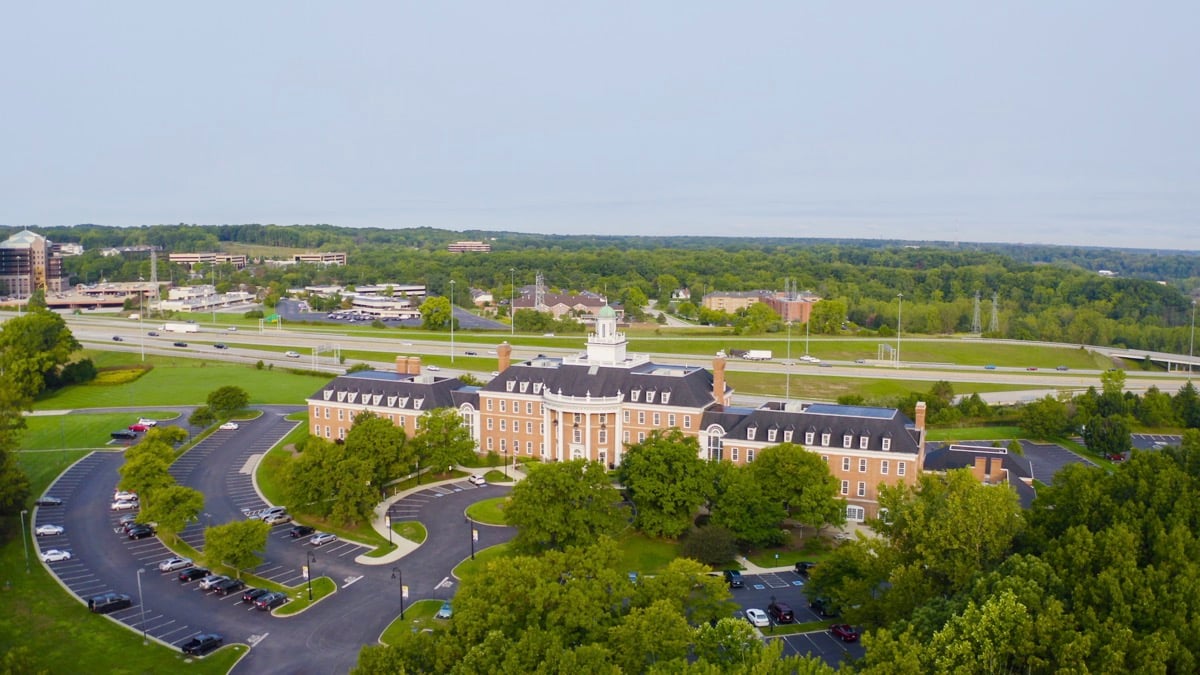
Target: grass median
(418, 616)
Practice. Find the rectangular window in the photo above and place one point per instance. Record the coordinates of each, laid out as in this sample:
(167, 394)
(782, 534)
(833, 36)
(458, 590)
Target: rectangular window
(641, 437)
(503, 424)
(657, 419)
(641, 417)
(602, 436)
(787, 437)
(847, 441)
(808, 437)
(503, 403)
(862, 442)
(529, 427)
(625, 437)
(340, 413)
(862, 488)
(887, 444)
(577, 436)
(862, 466)
(900, 468)
(845, 464)
(529, 407)
(503, 446)
(342, 433)
(327, 431)
(401, 420)
(326, 413)
(542, 428)
(529, 447)
(771, 435)
(489, 424)
(489, 404)
(825, 440)
(489, 443)
(845, 484)
(687, 421)
(625, 416)
(883, 467)
(670, 419)
(749, 455)
(733, 454)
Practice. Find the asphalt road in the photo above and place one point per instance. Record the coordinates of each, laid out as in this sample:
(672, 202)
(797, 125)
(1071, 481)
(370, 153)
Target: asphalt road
(762, 589)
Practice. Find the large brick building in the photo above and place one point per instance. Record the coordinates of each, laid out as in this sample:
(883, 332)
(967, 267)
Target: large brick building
(596, 403)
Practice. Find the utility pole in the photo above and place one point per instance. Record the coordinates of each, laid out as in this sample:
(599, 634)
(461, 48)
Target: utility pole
(899, 311)
(512, 300)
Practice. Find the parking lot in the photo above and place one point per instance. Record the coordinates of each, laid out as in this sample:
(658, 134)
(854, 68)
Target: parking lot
(762, 589)
(1047, 458)
(1155, 441)
(410, 506)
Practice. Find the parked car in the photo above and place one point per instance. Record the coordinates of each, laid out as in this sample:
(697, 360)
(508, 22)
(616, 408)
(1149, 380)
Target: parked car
(124, 496)
(172, 564)
(229, 586)
(322, 538)
(823, 606)
(109, 602)
(844, 632)
(192, 574)
(270, 600)
(124, 505)
(221, 345)
(252, 594)
(202, 644)
(146, 421)
(228, 426)
(180, 344)
(48, 530)
(757, 618)
(781, 612)
(141, 531)
(291, 354)
(805, 568)
(301, 531)
(273, 511)
(278, 518)
(1116, 457)
(138, 427)
(211, 580)
(477, 480)
(734, 579)
(55, 555)
(445, 611)
(127, 521)
(47, 500)
(123, 435)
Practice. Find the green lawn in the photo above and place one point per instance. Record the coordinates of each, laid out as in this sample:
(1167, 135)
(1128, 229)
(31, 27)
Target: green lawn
(411, 530)
(643, 554)
(806, 548)
(56, 628)
(830, 388)
(974, 434)
(417, 616)
(47, 432)
(488, 511)
(470, 567)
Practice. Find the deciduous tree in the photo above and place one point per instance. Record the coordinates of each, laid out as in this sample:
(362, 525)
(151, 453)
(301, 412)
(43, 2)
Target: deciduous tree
(800, 481)
(563, 504)
(443, 440)
(237, 544)
(227, 400)
(173, 508)
(667, 482)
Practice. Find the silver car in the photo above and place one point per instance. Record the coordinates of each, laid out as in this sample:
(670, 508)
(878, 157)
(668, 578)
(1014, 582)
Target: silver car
(172, 564)
(322, 538)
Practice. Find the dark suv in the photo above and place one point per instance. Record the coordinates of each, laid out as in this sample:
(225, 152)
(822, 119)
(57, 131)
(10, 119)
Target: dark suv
(823, 606)
(229, 586)
(805, 568)
(109, 602)
(202, 644)
(734, 578)
(781, 612)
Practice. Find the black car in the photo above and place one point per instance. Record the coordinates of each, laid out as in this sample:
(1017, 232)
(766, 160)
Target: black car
(153, 333)
(47, 500)
(118, 338)
(124, 435)
(192, 574)
(781, 612)
(141, 531)
(270, 600)
(734, 579)
(180, 344)
(202, 644)
(805, 568)
(253, 594)
(823, 607)
(109, 602)
(221, 345)
(301, 531)
(229, 586)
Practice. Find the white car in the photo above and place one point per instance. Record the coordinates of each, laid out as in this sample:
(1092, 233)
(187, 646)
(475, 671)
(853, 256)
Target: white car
(229, 426)
(232, 329)
(271, 512)
(123, 496)
(172, 564)
(477, 480)
(277, 518)
(48, 530)
(322, 538)
(55, 555)
(757, 618)
(147, 422)
(125, 505)
(433, 368)
(292, 355)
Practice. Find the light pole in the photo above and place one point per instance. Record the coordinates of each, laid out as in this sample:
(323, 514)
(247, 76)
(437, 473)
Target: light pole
(474, 536)
(397, 575)
(25, 538)
(899, 311)
(512, 300)
(452, 321)
(142, 604)
(787, 395)
(1192, 341)
(310, 559)
(141, 332)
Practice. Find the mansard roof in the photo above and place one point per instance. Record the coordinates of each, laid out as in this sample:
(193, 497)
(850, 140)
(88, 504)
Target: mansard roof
(390, 390)
(943, 457)
(836, 420)
(643, 384)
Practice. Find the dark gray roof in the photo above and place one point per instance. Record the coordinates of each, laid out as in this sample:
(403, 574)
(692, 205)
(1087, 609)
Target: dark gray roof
(821, 419)
(392, 390)
(685, 386)
(942, 457)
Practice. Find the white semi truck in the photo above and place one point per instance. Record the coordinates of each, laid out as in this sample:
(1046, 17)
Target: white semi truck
(177, 327)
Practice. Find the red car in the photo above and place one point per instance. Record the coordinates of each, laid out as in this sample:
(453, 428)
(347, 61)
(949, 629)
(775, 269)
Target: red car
(138, 427)
(1116, 457)
(844, 632)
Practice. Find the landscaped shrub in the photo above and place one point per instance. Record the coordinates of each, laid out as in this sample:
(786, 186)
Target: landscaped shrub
(711, 545)
(121, 374)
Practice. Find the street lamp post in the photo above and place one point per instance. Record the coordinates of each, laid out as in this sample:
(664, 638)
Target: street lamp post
(142, 604)
(310, 558)
(1192, 340)
(451, 321)
(787, 395)
(397, 575)
(25, 538)
(899, 310)
(512, 300)
(474, 536)
(388, 519)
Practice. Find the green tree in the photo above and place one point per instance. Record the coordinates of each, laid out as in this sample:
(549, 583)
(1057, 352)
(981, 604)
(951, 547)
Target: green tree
(827, 316)
(800, 481)
(227, 400)
(442, 440)
(756, 319)
(1108, 436)
(667, 482)
(435, 313)
(743, 508)
(307, 478)
(31, 348)
(173, 508)
(14, 484)
(650, 635)
(354, 495)
(202, 417)
(145, 474)
(711, 545)
(236, 544)
(563, 504)
(382, 444)
(1045, 418)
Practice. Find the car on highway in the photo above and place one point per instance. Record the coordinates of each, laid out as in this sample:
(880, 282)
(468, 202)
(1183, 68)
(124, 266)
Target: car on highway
(278, 518)
(270, 600)
(989, 367)
(221, 345)
(252, 594)
(229, 586)
(476, 479)
(172, 564)
(232, 329)
(1061, 368)
(228, 426)
(48, 530)
(301, 531)
(202, 644)
(1031, 368)
(124, 505)
(118, 338)
(844, 632)
(192, 574)
(211, 580)
(781, 612)
(860, 361)
(47, 500)
(291, 354)
(445, 611)
(433, 368)
(469, 353)
(179, 344)
(734, 579)
(322, 538)
(153, 333)
(55, 555)
(109, 602)
(140, 531)
(138, 427)
(757, 618)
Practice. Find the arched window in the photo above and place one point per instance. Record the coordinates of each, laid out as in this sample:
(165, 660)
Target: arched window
(716, 442)
(856, 513)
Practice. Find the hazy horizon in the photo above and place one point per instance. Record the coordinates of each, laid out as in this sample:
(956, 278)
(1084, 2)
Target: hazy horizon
(1065, 123)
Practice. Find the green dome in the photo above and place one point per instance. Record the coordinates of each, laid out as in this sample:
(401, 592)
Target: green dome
(606, 312)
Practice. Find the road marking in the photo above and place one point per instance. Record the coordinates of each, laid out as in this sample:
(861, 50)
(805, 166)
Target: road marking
(255, 639)
(350, 580)
(444, 583)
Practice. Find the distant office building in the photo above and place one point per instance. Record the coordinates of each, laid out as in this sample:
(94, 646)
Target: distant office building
(469, 247)
(28, 262)
(325, 258)
(795, 309)
(194, 259)
(732, 301)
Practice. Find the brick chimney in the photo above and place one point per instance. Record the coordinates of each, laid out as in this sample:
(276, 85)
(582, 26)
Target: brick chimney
(920, 411)
(402, 365)
(414, 365)
(719, 379)
(920, 427)
(503, 357)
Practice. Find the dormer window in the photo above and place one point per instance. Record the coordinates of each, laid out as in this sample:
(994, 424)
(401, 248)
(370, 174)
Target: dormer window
(848, 441)
(403, 402)
(376, 398)
(510, 385)
(635, 395)
(809, 437)
(863, 442)
(327, 393)
(787, 436)
(537, 387)
(524, 387)
(650, 396)
(391, 401)
(341, 396)
(353, 395)
(750, 433)
(887, 444)
(825, 437)
(666, 397)
(417, 403)
(771, 435)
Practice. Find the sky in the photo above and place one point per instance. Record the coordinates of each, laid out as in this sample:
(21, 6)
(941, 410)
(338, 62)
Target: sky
(1063, 122)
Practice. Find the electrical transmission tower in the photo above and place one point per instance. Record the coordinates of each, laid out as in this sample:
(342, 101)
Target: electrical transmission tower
(994, 326)
(976, 324)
